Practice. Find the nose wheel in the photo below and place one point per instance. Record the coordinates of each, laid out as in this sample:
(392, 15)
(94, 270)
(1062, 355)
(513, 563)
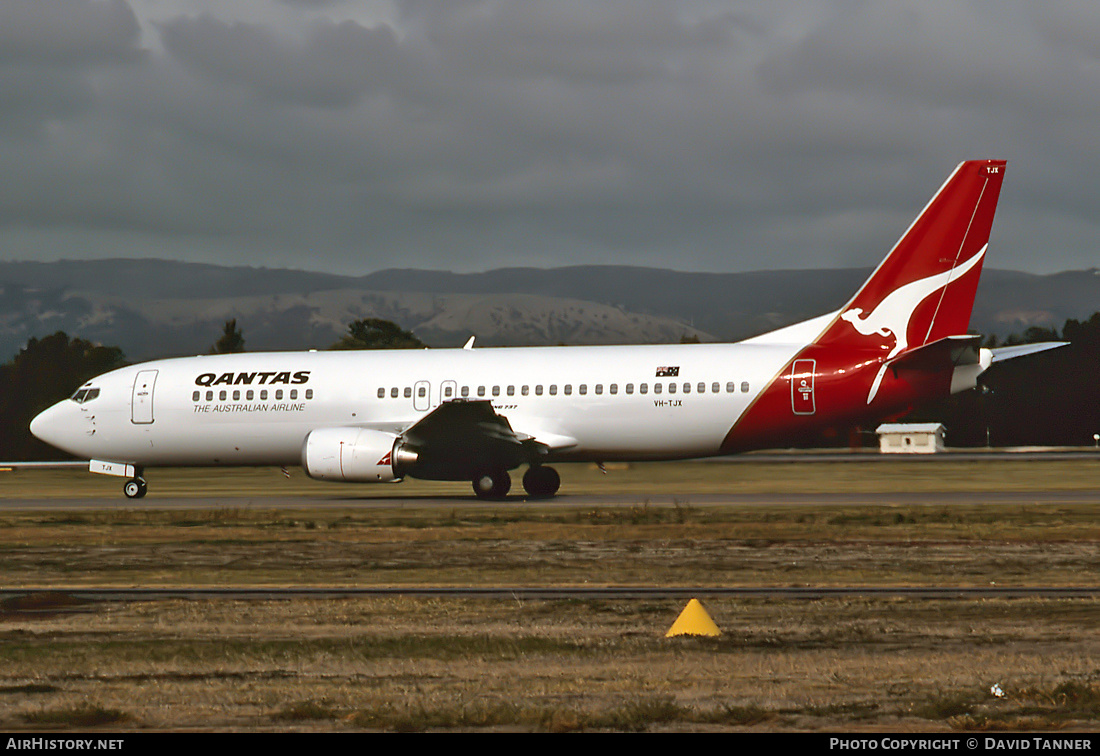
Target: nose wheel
(135, 488)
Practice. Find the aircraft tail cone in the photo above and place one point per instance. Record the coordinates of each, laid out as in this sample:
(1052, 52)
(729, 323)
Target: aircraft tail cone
(694, 620)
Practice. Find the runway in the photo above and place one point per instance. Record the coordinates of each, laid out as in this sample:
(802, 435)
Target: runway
(567, 501)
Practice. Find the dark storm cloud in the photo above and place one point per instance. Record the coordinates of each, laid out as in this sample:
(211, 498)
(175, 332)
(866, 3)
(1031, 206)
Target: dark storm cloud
(48, 49)
(471, 134)
(35, 32)
(332, 67)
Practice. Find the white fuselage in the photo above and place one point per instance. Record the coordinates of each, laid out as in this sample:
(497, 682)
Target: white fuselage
(585, 403)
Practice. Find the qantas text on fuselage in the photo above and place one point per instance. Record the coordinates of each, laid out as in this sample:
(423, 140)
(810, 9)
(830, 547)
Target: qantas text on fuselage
(247, 379)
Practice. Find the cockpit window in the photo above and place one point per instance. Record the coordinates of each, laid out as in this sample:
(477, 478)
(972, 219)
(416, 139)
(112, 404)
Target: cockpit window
(85, 395)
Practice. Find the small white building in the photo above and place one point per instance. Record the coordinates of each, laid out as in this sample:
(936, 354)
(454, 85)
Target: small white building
(910, 438)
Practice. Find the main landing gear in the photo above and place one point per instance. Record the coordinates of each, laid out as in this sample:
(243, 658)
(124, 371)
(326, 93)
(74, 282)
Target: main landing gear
(540, 482)
(135, 488)
(492, 484)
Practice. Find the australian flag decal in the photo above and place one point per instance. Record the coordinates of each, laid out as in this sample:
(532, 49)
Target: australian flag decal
(668, 372)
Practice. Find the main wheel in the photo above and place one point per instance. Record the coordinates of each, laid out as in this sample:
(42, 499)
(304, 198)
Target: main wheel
(135, 488)
(492, 484)
(541, 482)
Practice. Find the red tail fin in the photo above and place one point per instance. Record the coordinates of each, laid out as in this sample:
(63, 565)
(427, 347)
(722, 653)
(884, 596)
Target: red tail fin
(920, 295)
(924, 289)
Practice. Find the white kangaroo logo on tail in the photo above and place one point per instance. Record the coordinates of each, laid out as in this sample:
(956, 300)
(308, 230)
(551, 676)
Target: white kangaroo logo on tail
(893, 313)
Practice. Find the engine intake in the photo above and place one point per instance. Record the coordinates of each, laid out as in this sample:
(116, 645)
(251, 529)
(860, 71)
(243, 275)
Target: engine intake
(355, 455)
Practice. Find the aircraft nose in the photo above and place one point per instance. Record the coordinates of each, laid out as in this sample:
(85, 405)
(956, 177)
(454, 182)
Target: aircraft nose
(54, 426)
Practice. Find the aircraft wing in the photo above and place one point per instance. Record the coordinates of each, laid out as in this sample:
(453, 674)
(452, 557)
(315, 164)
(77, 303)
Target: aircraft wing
(465, 420)
(461, 438)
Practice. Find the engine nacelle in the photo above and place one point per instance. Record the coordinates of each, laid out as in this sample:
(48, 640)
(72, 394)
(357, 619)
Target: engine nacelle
(355, 455)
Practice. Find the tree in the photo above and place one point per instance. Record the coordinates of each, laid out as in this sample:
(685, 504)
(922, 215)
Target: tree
(1044, 399)
(43, 373)
(231, 341)
(375, 333)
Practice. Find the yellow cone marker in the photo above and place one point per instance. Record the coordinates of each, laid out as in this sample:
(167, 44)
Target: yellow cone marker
(694, 620)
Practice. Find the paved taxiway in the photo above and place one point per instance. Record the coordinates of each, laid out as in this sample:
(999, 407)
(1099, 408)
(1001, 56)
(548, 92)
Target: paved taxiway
(570, 501)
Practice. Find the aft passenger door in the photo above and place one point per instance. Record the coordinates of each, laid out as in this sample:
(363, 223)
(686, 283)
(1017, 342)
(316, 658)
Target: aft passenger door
(422, 396)
(141, 402)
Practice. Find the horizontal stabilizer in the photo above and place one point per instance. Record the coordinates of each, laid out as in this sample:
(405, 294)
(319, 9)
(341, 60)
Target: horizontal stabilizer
(951, 351)
(1000, 354)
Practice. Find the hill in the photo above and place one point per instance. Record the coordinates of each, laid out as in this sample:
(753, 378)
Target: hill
(155, 308)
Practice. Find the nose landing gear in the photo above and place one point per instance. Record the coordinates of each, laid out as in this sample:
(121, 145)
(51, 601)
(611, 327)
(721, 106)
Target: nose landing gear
(135, 488)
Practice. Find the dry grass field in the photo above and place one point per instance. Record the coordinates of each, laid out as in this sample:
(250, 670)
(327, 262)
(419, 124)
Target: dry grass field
(406, 663)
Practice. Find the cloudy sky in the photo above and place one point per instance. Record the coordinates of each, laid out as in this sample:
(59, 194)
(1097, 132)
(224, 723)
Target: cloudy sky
(352, 136)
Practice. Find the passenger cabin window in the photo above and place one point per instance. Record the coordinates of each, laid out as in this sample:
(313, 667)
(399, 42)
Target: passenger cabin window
(657, 388)
(511, 391)
(672, 388)
(481, 391)
(714, 388)
(381, 393)
(309, 393)
(263, 395)
(701, 388)
(553, 389)
(465, 391)
(538, 390)
(630, 388)
(293, 394)
(195, 396)
(613, 388)
(568, 390)
(730, 388)
(408, 393)
(523, 391)
(448, 392)
(278, 395)
(421, 392)
(744, 387)
(643, 389)
(687, 388)
(599, 388)
(496, 390)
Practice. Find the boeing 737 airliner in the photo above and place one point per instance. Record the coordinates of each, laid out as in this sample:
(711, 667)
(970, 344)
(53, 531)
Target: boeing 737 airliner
(475, 414)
